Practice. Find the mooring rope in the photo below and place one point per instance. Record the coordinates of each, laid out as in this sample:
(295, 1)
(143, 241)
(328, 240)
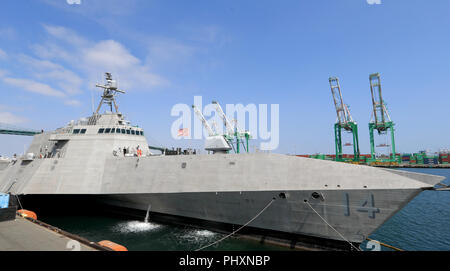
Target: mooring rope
(234, 232)
(21, 207)
(385, 245)
(332, 226)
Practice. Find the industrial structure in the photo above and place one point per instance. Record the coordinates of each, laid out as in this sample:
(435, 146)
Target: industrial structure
(103, 159)
(214, 142)
(382, 123)
(344, 122)
(232, 139)
(233, 135)
(6, 129)
(380, 120)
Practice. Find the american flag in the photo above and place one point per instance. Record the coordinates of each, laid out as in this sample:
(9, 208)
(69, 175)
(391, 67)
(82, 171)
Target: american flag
(183, 132)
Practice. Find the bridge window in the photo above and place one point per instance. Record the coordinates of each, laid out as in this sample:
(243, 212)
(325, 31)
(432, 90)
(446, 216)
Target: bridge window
(128, 132)
(133, 132)
(101, 130)
(113, 130)
(107, 130)
(83, 131)
(76, 131)
(123, 131)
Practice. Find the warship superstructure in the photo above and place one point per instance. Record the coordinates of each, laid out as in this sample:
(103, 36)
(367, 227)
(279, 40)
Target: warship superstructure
(105, 157)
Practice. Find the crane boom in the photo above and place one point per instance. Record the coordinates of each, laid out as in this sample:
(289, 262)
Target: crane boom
(233, 130)
(380, 113)
(344, 121)
(204, 121)
(226, 122)
(380, 121)
(343, 114)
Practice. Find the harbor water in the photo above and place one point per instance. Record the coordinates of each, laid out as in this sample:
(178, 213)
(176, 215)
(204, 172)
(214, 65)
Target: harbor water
(420, 225)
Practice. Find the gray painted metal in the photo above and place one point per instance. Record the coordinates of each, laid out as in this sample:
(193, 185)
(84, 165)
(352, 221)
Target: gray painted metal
(229, 188)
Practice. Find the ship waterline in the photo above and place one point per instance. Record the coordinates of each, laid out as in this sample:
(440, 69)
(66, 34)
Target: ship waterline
(106, 158)
(232, 189)
(354, 214)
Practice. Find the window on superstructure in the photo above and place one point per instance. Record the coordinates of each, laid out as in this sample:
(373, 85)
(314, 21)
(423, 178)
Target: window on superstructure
(128, 132)
(101, 130)
(107, 130)
(142, 133)
(83, 131)
(133, 132)
(113, 130)
(76, 131)
(123, 131)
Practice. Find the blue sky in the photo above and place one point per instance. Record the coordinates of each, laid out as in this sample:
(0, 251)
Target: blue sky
(260, 52)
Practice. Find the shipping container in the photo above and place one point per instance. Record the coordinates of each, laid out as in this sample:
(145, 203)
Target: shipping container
(428, 161)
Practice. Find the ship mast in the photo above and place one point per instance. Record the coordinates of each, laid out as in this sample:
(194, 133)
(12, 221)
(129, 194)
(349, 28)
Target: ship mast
(109, 91)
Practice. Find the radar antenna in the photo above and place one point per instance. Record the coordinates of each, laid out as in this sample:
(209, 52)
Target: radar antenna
(109, 91)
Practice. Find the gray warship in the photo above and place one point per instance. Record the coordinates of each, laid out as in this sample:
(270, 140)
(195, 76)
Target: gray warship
(106, 158)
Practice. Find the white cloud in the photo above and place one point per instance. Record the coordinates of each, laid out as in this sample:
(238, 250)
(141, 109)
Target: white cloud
(66, 35)
(40, 65)
(65, 79)
(109, 54)
(66, 63)
(96, 57)
(33, 86)
(50, 50)
(9, 118)
(113, 57)
(60, 81)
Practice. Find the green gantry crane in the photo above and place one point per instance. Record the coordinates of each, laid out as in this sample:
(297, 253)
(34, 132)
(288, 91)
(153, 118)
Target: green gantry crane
(344, 122)
(380, 120)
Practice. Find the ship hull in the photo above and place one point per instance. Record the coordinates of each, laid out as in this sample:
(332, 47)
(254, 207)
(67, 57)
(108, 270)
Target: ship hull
(322, 199)
(103, 158)
(350, 215)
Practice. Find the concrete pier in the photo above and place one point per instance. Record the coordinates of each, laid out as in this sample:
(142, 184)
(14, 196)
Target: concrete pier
(26, 235)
